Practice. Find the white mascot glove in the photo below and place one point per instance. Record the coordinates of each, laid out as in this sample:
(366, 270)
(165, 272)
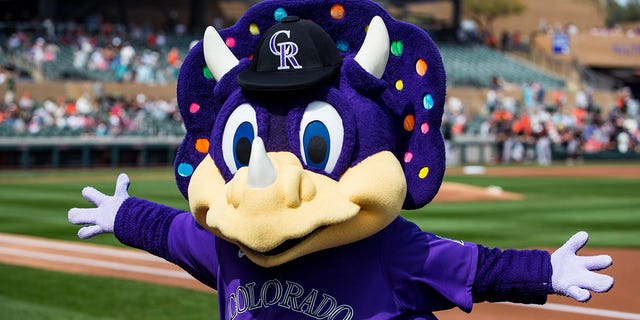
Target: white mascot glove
(572, 274)
(101, 219)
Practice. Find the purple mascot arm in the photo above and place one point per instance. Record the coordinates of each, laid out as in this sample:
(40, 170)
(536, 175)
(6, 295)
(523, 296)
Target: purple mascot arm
(168, 233)
(528, 276)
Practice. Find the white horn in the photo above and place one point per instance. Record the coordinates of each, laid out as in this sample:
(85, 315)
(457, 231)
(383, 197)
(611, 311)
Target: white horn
(374, 53)
(261, 170)
(217, 55)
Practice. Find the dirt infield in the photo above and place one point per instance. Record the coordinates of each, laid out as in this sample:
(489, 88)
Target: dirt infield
(91, 259)
(458, 192)
(595, 171)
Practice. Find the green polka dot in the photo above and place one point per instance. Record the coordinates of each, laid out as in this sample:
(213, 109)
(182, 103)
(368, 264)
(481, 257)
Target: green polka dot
(396, 48)
(207, 73)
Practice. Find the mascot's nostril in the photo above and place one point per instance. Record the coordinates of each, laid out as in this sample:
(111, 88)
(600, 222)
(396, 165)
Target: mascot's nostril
(296, 185)
(307, 188)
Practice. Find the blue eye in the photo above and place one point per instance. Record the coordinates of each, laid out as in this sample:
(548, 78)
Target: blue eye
(316, 143)
(242, 140)
(239, 131)
(321, 136)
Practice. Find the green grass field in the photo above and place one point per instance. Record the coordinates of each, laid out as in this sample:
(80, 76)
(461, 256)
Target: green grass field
(36, 203)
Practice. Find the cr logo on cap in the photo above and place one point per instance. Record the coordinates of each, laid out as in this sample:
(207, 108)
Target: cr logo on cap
(286, 50)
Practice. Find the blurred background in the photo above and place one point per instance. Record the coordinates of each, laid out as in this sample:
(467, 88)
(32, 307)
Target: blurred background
(529, 81)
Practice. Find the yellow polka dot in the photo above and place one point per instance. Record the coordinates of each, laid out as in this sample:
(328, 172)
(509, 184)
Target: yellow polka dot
(254, 29)
(423, 172)
(399, 85)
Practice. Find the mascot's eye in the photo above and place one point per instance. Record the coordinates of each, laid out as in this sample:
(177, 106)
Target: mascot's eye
(321, 136)
(239, 131)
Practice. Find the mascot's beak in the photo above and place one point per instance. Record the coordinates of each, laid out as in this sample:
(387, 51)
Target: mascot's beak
(261, 170)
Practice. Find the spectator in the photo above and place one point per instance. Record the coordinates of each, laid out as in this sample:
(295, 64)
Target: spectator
(173, 57)
(540, 93)
(26, 103)
(10, 79)
(528, 93)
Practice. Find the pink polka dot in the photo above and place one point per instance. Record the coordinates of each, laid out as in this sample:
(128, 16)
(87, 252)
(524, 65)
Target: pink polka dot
(194, 107)
(424, 128)
(230, 42)
(408, 156)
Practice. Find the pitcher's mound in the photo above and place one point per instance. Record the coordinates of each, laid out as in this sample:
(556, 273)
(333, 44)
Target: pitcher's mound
(458, 192)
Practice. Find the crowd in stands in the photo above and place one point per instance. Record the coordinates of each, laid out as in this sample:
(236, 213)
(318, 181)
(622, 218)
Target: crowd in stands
(542, 124)
(532, 128)
(96, 49)
(89, 116)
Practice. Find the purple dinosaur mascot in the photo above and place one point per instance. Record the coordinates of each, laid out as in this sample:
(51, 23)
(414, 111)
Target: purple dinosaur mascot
(310, 125)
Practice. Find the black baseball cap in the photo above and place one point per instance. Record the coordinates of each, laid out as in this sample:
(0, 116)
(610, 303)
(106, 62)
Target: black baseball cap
(293, 54)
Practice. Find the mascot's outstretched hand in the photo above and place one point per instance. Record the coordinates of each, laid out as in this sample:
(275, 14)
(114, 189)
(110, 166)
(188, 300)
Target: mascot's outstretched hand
(572, 274)
(101, 219)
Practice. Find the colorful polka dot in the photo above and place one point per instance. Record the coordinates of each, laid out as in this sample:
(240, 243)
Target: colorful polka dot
(421, 67)
(254, 29)
(427, 101)
(194, 107)
(202, 145)
(343, 45)
(337, 11)
(424, 128)
(408, 156)
(396, 48)
(207, 73)
(409, 122)
(185, 169)
(230, 42)
(423, 172)
(279, 14)
(399, 85)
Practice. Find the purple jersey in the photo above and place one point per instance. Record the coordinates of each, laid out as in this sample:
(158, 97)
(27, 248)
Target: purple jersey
(381, 277)
(399, 273)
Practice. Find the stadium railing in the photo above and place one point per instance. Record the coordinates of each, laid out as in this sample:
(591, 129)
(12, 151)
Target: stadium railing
(59, 152)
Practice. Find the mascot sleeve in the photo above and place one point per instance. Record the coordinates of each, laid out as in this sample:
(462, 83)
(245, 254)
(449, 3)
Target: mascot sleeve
(168, 233)
(429, 272)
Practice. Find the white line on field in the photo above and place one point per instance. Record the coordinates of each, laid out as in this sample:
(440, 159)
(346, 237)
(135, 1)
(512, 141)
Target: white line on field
(96, 263)
(582, 310)
(83, 248)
